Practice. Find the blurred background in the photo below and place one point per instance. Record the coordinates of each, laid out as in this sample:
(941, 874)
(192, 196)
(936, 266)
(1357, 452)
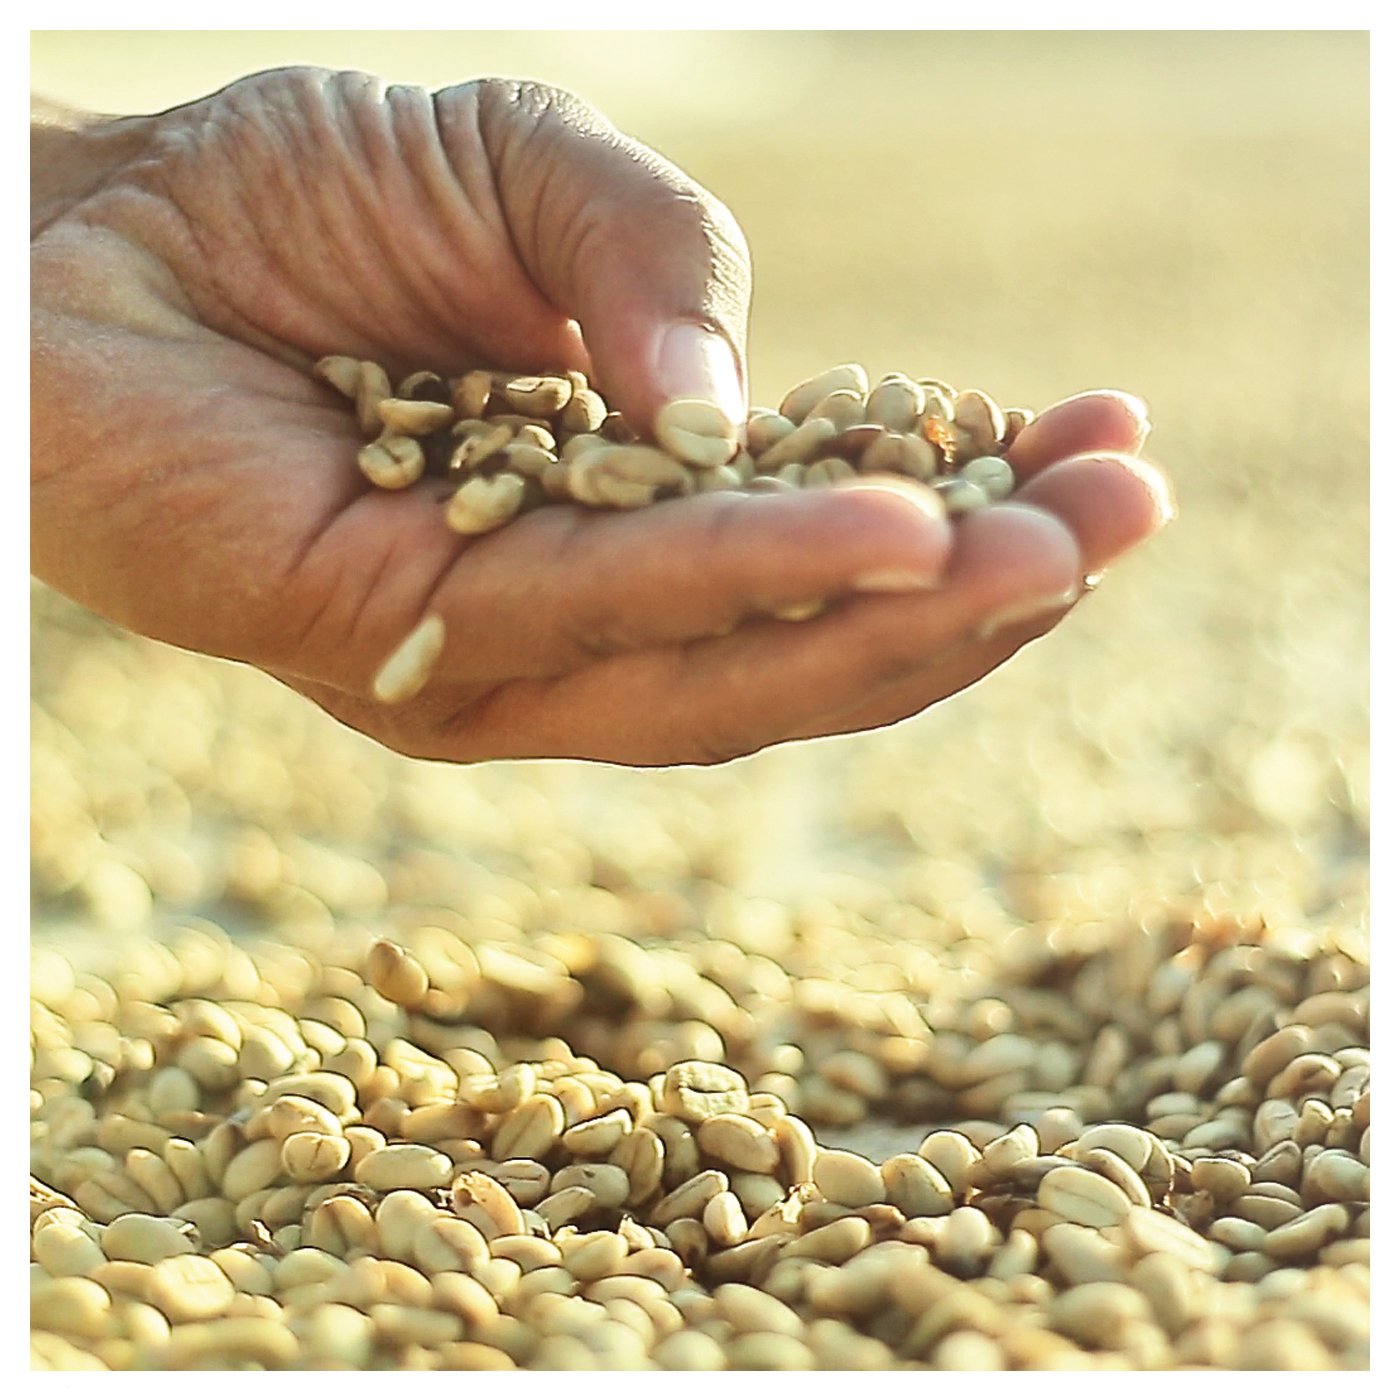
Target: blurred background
(1183, 215)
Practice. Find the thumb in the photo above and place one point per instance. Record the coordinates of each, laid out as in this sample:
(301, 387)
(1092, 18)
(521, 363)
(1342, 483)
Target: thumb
(652, 266)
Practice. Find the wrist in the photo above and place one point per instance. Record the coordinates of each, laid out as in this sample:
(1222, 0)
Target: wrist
(72, 153)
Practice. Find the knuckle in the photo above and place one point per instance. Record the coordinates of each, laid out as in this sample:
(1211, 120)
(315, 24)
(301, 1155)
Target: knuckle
(525, 102)
(731, 275)
(684, 215)
(591, 626)
(597, 636)
(561, 133)
(302, 79)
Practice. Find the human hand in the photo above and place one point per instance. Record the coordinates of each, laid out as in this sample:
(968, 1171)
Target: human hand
(191, 482)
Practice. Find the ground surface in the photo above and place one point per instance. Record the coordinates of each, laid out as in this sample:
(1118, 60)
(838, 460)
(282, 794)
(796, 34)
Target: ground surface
(1181, 215)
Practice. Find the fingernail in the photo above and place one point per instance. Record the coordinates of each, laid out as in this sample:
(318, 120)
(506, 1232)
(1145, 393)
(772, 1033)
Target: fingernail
(1140, 412)
(1025, 610)
(695, 363)
(1166, 500)
(800, 612)
(894, 581)
(927, 502)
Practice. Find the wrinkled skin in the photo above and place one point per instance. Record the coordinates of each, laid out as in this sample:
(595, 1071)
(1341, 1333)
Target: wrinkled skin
(192, 483)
